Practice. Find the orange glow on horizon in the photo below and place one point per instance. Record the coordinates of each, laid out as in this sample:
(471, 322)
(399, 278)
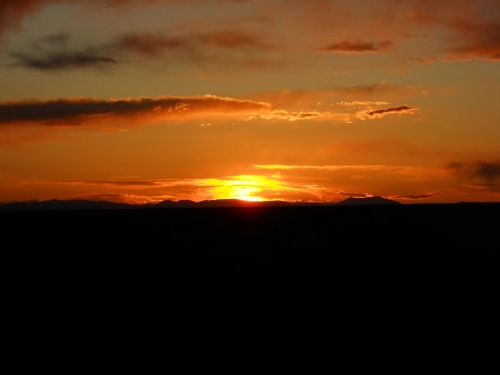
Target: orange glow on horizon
(244, 187)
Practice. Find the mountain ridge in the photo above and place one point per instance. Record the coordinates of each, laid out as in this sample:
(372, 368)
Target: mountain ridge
(82, 204)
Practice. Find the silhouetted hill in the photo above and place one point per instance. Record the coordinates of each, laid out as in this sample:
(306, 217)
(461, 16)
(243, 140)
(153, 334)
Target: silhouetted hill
(366, 201)
(309, 250)
(79, 204)
(58, 205)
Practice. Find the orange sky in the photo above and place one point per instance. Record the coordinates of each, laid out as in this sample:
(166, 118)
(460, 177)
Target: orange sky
(319, 100)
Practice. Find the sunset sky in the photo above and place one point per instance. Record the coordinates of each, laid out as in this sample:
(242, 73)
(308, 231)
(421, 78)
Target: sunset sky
(140, 101)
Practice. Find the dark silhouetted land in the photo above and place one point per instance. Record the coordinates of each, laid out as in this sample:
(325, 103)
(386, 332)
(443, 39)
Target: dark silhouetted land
(184, 274)
(248, 240)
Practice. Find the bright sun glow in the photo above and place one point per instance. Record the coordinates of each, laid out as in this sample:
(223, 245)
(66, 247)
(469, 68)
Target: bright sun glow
(245, 187)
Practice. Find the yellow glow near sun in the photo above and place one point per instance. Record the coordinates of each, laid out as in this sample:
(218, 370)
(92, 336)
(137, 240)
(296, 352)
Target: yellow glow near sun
(245, 187)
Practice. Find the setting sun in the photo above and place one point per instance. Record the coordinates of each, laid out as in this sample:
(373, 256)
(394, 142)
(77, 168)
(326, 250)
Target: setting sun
(247, 187)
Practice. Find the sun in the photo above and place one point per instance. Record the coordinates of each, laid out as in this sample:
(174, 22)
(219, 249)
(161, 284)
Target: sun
(244, 193)
(245, 188)
(241, 192)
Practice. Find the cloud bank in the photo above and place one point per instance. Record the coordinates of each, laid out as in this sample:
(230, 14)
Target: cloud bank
(85, 111)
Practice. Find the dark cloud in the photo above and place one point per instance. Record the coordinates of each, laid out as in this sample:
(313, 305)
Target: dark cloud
(423, 60)
(81, 111)
(473, 27)
(481, 172)
(379, 113)
(482, 41)
(55, 52)
(61, 60)
(403, 108)
(12, 12)
(356, 46)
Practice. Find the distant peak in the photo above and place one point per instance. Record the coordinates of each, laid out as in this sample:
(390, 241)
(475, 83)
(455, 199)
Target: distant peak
(366, 201)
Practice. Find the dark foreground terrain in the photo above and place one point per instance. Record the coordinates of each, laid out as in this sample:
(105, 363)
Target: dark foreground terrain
(214, 286)
(253, 242)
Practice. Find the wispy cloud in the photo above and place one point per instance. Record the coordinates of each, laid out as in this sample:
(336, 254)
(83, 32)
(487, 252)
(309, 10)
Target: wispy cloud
(12, 12)
(479, 172)
(423, 60)
(415, 197)
(59, 51)
(246, 187)
(348, 96)
(297, 116)
(357, 46)
(368, 167)
(359, 104)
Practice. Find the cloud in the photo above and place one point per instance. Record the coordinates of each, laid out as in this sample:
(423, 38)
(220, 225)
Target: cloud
(472, 26)
(356, 104)
(479, 172)
(320, 167)
(333, 168)
(379, 113)
(296, 116)
(117, 183)
(415, 196)
(483, 43)
(247, 187)
(86, 111)
(407, 172)
(423, 60)
(57, 52)
(357, 46)
(62, 60)
(338, 95)
(151, 44)
(12, 12)
(392, 146)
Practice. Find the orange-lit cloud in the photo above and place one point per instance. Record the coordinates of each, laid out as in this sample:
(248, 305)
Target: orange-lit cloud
(244, 187)
(358, 104)
(86, 111)
(297, 116)
(379, 113)
(348, 96)
(406, 172)
(332, 168)
(357, 46)
(415, 197)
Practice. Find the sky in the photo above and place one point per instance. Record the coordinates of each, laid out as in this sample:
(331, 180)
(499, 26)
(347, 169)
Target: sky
(140, 101)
